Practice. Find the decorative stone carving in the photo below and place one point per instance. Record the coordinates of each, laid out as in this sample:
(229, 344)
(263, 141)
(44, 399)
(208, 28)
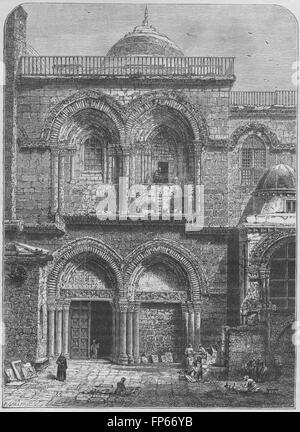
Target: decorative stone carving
(76, 293)
(82, 99)
(251, 305)
(84, 245)
(268, 137)
(269, 243)
(170, 99)
(160, 296)
(172, 249)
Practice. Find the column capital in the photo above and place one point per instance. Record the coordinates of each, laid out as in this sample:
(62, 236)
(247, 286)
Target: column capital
(137, 306)
(184, 308)
(197, 307)
(131, 307)
(190, 306)
(66, 304)
(123, 306)
(51, 304)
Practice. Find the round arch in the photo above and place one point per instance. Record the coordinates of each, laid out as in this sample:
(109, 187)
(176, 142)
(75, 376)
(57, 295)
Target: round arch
(178, 254)
(268, 137)
(172, 100)
(81, 100)
(97, 249)
(264, 249)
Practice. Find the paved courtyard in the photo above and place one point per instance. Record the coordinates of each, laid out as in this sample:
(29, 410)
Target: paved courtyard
(91, 384)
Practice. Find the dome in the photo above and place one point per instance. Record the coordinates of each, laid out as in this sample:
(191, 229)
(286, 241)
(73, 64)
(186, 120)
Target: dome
(277, 178)
(145, 40)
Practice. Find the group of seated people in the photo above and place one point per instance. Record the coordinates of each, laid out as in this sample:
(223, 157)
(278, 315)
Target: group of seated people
(256, 369)
(193, 370)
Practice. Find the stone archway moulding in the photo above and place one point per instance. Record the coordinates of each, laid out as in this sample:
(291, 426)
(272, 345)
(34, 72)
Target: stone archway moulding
(174, 100)
(264, 132)
(77, 102)
(263, 250)
(179, 254)
(84, 245)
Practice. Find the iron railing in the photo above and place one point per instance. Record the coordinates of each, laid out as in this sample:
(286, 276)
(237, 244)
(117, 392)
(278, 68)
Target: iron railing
(264, 98)
(46, 66)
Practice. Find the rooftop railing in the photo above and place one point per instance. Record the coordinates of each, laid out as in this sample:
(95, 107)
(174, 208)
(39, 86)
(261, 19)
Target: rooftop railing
(264, 98)
(125, 66)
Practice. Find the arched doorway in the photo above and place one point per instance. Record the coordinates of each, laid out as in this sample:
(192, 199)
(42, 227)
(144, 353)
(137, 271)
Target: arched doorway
(84, 282)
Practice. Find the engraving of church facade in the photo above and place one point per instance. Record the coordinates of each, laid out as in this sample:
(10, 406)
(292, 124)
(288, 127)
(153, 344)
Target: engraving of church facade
(156, 277)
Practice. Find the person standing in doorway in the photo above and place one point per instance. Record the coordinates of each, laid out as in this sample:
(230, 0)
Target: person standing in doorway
(94, 349)
(61, 368)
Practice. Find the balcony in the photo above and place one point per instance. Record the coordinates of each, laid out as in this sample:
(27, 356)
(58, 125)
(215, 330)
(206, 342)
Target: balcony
(282, 98)
(140, 66)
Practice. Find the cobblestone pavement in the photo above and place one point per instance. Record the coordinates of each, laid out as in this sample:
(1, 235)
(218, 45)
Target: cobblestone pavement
(90, 384)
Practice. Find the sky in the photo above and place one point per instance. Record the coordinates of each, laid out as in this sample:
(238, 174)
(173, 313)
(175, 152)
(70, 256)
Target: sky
(262, 38)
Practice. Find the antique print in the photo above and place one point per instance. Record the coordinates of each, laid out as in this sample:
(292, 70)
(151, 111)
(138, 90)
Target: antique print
(150, 206)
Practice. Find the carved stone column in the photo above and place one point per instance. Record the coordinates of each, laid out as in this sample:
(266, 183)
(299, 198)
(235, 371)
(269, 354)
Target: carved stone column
(185, 314)
(58, 329)
(129, 334)
(198, 161)
(136, 333)
(113, 332)
(54, 180)
(61, 181)
(66, 311)
(197, 309)
(126, 161)
(117, 332)
(191, 324)
(51, 342)
(123, 358)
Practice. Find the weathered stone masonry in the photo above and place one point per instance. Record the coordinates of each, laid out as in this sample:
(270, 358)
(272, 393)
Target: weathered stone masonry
(160, 284)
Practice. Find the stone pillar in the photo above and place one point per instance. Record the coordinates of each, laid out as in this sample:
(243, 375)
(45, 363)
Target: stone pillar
(66, 311)
(129, 333)
(125, 164)
(191, 325)
(51, 342)
(113, 332)
(58, 329)
(197, 309)
(136, 333)
(54, 181)
(185, 315)
(117, 332)
(198, 161)
(61, 182)
(123, 359)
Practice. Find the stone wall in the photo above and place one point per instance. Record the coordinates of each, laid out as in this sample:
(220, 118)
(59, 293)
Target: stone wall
(33, 191)
(15, 43)
(211, 252)
(21, 315)
(243, 344)
(161, 329)
(240, 203)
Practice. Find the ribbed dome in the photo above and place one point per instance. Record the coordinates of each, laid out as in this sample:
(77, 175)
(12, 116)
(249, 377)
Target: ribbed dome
(278, 177)
(145, 40)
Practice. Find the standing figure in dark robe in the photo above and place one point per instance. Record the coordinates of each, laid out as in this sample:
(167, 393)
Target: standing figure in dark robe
(61, 367)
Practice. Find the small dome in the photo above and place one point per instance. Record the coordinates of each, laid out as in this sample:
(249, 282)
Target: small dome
(145, 40)
(277, 178)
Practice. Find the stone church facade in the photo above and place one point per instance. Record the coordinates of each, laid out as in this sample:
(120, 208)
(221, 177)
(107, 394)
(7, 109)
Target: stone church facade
(145, 285)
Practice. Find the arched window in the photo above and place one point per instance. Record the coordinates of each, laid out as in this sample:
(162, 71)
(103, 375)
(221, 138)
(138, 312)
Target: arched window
(282, 277)
(93, 154)
(253, 160)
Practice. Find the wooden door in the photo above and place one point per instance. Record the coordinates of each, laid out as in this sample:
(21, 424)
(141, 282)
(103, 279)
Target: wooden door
(80, 329)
